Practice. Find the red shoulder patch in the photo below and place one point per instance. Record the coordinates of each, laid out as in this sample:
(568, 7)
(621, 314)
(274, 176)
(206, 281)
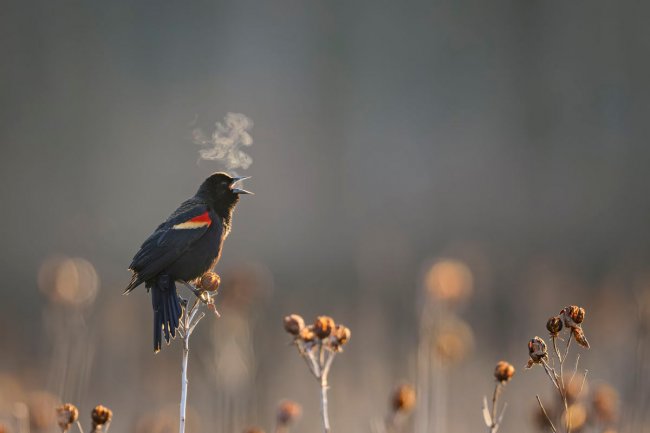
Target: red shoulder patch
(199, 221)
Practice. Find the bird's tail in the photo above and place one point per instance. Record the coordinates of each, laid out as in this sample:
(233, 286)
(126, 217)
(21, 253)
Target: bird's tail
(166, 309)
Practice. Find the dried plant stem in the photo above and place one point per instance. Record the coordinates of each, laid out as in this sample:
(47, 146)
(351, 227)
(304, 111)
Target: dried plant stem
(81, 430)
(323, 404)
(186, 354)
(188, 322)
(541, 406)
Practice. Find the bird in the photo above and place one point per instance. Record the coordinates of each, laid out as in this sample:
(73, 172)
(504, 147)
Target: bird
(183, 248)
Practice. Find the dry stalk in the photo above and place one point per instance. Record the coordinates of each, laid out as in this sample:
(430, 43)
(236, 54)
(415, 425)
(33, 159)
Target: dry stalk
(318, 344)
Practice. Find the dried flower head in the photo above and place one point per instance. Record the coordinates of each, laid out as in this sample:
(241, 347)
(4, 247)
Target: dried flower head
(209, 282)
(579, 336)
(504, 371)
(101, 415)
(576, 388)
(68, 414)
(293, 324)
(288, 412)
(307, 334)
(554, 325)
(339, 337)
(575, 416)
(573, 315)
(323, 326)
(537, 351)
(605, 403)
(403, 399)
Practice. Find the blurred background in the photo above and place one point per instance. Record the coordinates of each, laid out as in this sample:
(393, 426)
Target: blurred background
(476, 165)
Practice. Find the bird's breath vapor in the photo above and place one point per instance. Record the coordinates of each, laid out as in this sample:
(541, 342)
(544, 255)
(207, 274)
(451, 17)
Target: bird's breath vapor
(227, 141)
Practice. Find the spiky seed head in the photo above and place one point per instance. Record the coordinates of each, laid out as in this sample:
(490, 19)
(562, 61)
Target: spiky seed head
(210, 282)
(101, 415)
(504, 371)
(288, 412)
(293, 323)
(323, 326)
(67, 414)
(403, 399)
(554, 325)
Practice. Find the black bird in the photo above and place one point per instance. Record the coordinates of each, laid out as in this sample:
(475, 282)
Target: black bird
(183, 248)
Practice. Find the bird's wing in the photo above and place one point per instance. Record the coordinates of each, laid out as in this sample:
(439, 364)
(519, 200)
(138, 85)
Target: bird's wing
(172, 238)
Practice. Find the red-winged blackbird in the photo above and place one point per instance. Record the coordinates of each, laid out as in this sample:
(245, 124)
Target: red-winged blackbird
(183, 248)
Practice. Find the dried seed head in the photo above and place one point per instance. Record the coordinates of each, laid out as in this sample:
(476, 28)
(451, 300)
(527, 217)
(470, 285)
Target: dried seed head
(504, 371)
(307, 334)
(253, 430)
(209, 282)
(101, 415)
(554, 325)
(573, 316)
(579, 336)
(576, 387)
(403, 399)
(68, 414)
(288, 412)
(323, 326)
(575, 416)
(339, 337)
(293, 323)
(537, 351)
(605, 403)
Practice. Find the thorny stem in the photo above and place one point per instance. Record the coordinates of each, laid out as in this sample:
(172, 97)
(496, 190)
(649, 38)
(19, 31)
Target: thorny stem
(545, 414)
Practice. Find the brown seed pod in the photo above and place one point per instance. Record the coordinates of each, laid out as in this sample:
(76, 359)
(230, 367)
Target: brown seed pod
(307, 334)
(209, 282)
(537, 351)
(323, 326)
(579, 336)
(67, 414)
(554, 325)
(101, 415)
(504, 371)
(341, 335)
(293, 323)
(573, 315)
(605, 402)
(403, 399)
(288, 412)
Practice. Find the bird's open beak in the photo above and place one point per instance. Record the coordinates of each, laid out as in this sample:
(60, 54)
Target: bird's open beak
(239, 190)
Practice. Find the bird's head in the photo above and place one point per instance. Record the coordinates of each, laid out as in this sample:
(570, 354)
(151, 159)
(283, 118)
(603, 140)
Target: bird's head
(222, 191)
